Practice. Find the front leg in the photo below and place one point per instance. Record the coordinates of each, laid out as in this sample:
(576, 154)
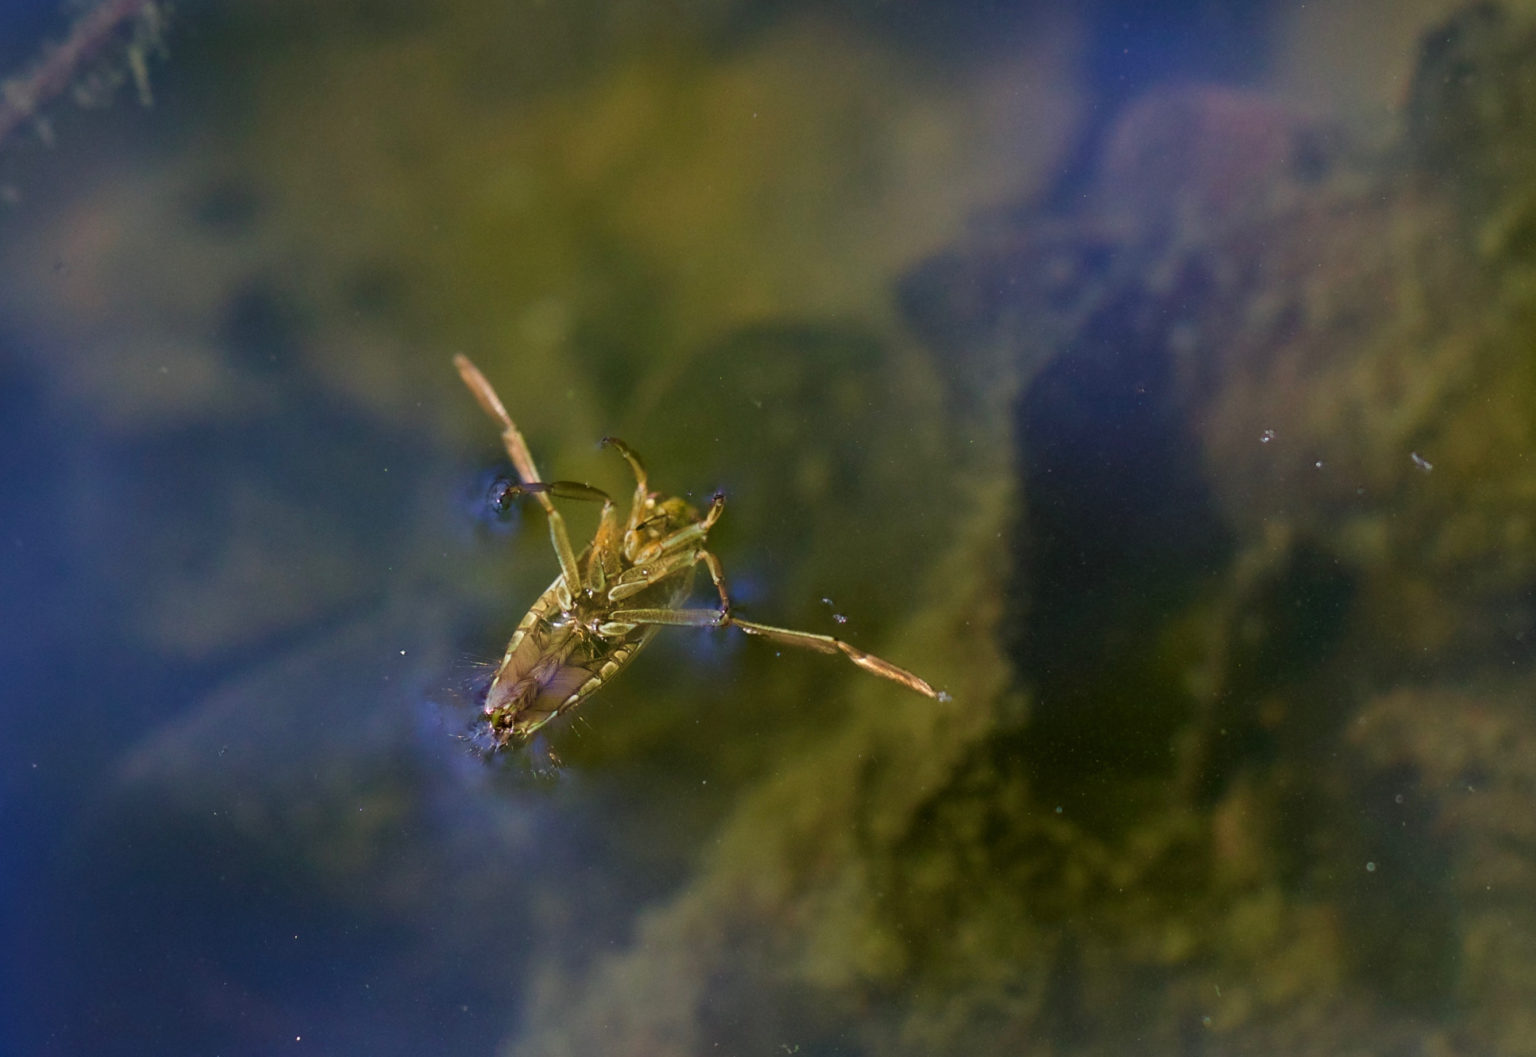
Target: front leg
(601, 557)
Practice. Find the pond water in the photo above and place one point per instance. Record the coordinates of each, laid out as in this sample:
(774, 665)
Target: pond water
(1154, 383)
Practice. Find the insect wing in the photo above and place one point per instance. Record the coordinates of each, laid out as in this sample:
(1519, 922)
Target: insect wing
(591, 672)
(550, 667)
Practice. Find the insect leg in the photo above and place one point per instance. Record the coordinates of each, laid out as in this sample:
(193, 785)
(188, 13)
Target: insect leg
(676, 618)
(601, 561)
(638, 578)
(687, 535)
(711, 618)
(522, 460)
(603, 558)
(827, 644)
(642, 491)
(643, 503)
(559, 489)
(716, 577)
(512, 438)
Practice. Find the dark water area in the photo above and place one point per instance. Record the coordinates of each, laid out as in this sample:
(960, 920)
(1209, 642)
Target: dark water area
(1152, 380)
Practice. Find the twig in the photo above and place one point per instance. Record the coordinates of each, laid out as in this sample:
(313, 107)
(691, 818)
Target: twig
(21, 96)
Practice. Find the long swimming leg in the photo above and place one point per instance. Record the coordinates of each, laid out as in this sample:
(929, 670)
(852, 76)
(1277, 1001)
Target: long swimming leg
(714, 618)
(522, 460)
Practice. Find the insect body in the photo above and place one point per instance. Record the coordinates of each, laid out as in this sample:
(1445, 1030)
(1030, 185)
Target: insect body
(607, 602)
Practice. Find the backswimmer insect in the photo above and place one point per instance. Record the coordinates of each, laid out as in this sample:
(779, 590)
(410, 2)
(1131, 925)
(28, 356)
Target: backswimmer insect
(608, 601)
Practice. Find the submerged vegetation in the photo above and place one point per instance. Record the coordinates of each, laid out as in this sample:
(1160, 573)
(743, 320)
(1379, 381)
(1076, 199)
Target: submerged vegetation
(1203, 489)
(108, 41)
(1268, 613)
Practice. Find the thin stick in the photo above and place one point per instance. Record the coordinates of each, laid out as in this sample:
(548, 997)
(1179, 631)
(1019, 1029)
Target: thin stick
(22, 96)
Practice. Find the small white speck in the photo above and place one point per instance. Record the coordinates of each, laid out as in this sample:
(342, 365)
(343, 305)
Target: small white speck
(1318, 464)
(402, 653)
(1421, 462)
(1267, 436)
(1370, 867)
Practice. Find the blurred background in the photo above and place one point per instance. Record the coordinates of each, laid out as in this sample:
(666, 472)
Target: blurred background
(1155, 378)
